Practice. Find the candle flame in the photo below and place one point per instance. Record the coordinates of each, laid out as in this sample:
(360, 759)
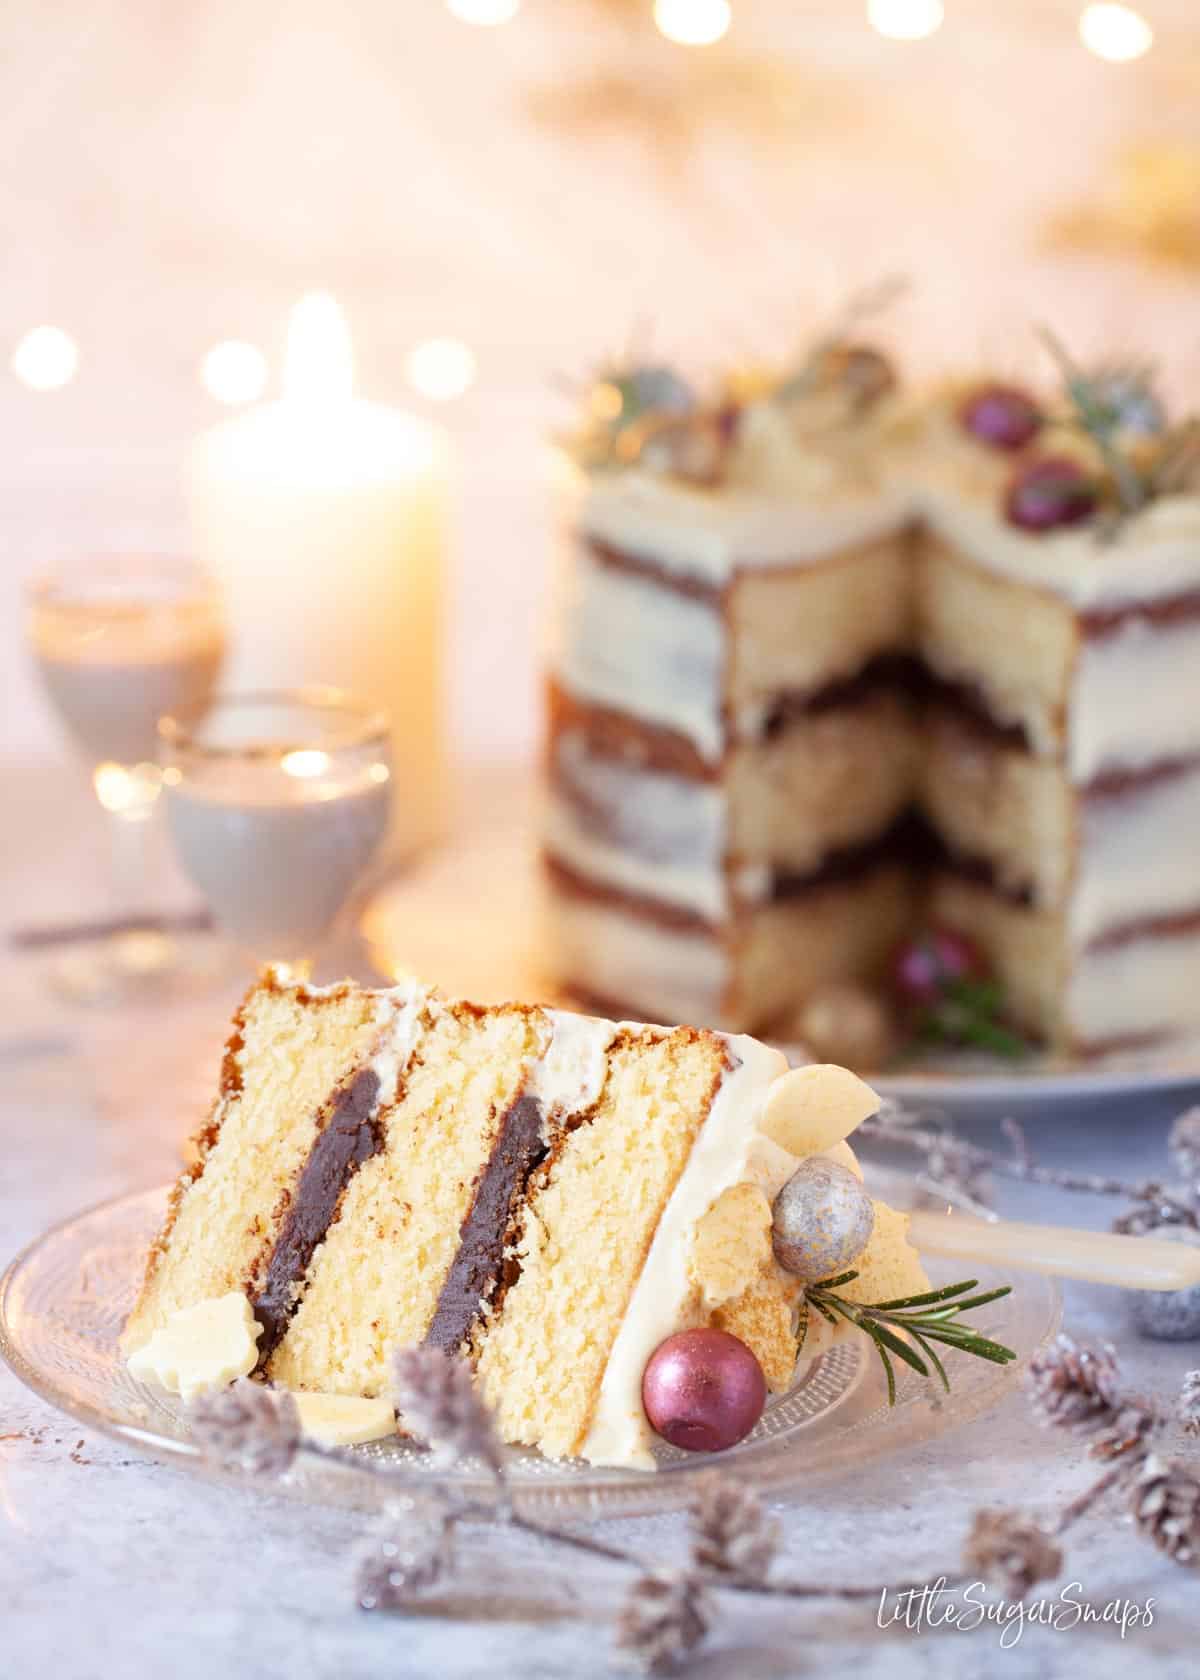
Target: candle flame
(319, 363)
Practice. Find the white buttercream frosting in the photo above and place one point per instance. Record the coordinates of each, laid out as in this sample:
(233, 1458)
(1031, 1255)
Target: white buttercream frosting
(958, 485)
(1146, 986)
(658, 835)
(400, 1011)
(1117, 882)
(568, 1077)
(1155, 556)
(730, 1149)
(1133, 698)
(675, 973)
(627, 643)
(792, 499)
(707, 535)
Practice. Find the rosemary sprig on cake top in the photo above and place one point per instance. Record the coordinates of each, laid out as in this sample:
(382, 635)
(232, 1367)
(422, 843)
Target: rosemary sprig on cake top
(928, 1318)
(1109, 404)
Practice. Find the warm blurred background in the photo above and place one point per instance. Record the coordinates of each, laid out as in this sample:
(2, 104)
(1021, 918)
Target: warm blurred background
(500, 191)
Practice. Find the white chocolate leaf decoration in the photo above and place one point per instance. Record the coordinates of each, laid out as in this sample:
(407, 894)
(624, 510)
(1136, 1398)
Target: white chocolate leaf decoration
(809, 1109)
(344, 1420)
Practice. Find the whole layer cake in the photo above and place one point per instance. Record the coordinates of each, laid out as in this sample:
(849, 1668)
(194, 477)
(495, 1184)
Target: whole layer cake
(545, 1195)
(831, 665)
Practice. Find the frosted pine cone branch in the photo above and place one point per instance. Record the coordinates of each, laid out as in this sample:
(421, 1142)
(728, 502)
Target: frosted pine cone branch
(247, 1427)
(1184, 1144)
(1166, 1509)
(1153, 1207)
(663, 1619)
(412, 1552)
(1074, 1387)
(436, 1398)
(1133, 1423)
(733, 1537)
(1010, 1551)
(1187, 1408)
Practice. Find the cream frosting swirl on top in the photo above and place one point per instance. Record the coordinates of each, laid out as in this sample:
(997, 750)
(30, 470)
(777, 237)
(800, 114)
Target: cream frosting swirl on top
(795, 492)
(798, 484)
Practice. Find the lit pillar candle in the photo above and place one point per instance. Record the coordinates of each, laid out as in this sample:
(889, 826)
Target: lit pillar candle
(323, 517)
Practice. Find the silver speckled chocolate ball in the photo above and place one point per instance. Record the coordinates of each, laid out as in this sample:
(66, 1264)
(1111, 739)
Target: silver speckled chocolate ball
(1169, 1315)
(822, 1220)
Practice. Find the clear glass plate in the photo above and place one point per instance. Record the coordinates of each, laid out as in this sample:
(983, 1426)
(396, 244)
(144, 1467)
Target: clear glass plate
(62, 1303)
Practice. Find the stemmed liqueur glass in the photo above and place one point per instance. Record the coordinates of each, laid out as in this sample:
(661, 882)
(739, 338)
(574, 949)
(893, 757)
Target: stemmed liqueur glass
(118, 640)
(276, 803)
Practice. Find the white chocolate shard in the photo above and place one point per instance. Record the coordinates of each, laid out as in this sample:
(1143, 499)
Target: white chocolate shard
(344, 1420)
(201, 1347)
(809, 1109)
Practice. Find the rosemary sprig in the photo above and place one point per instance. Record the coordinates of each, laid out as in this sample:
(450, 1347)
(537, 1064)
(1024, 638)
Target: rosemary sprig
(932, 1317)
(1101, 420)
(969, 1012)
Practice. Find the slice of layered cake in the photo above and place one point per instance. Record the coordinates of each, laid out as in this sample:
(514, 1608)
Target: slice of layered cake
(838, 669)
(728, 664)
(547, 1196)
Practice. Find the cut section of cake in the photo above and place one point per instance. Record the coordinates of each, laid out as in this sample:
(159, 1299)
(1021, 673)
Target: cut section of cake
(1058, 617)
(729, 655)
(545, 1195)
(882, 670)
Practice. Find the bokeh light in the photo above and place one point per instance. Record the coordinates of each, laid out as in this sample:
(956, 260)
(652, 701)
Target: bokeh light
(234, 371)
(441, 368)
(906, 20)
(693, 23)
(45, 359)
(485, 13)
(1117, 33)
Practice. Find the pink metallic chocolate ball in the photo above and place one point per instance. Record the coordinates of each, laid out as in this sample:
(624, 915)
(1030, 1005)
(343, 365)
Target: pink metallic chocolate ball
(1050, 494)
(703, 1390)
(1002, 416)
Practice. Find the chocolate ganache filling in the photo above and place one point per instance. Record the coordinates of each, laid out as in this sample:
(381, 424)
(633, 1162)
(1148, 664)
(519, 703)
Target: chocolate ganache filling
(477, 1266)
(350, 1137)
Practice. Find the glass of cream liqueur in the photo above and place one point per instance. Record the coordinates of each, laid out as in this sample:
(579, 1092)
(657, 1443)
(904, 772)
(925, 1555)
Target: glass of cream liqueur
(276, 803)
(118, 640)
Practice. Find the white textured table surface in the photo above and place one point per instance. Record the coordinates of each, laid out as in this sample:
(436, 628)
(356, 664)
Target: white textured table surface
(111, 1565)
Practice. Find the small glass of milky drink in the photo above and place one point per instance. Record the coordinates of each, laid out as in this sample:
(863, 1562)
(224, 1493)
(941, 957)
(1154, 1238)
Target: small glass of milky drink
(276, 803)
(118, 640)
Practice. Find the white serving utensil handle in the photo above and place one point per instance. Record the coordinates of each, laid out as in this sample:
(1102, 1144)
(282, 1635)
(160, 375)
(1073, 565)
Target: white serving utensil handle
(1094, 1256)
